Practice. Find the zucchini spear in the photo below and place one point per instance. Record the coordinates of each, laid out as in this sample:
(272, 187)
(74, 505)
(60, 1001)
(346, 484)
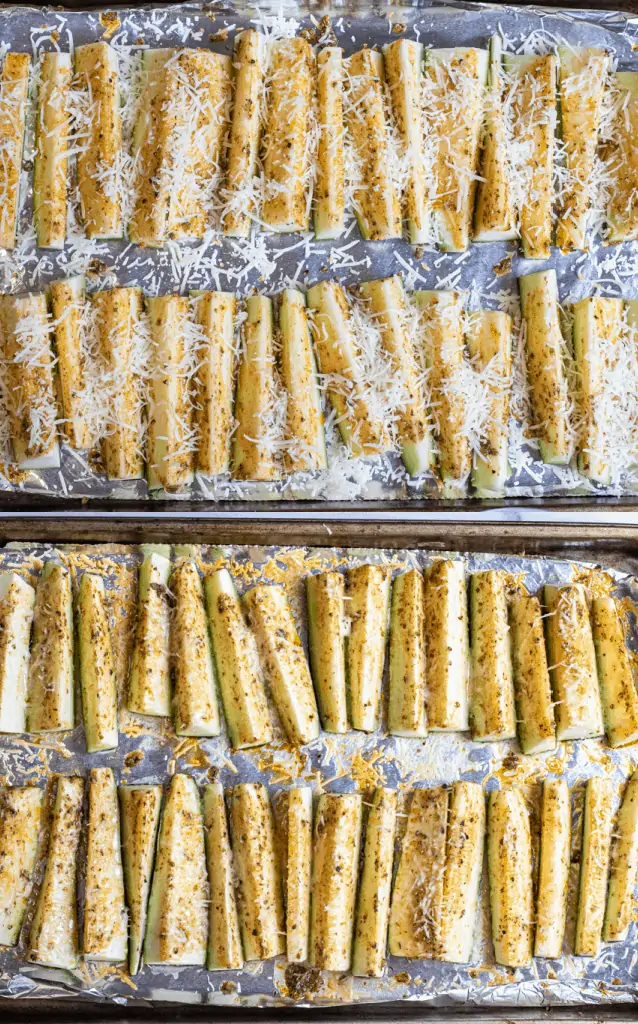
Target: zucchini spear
(105, 916)
(151, 150)
(492, 705)
(97, 667)
(534, 707)
(306, 446)
(215, 380)
(572, 663)
(326, 641)
(494, 212)
(284, 662)
(20, 813)
(402, 62)
(623, 867)
(489, 345)
(447, 656)
(195, 705)
(297, 856)
(594, 862)
(622, 162)
(257, 437)
(149, 684)
(53, 940)
(373, 904)
(368, 606)
(509, 860)
(337, 837)
(224, 941)
(140, 814)
(259, 896)
(328, 198)
(177, 927)
(406, 706)
(462, 875)
(51, 151)
(553, 871)
(14, 83)
(67, 299)
(597, 325)
(51, 684)
(615, 674)
(17, 599)
(245, 129)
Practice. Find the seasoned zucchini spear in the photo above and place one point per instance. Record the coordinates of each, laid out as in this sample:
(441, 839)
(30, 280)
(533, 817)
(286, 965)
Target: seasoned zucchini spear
(403, 66)
(149, 690)
(534, 707)
(447, 657)
(17, 599)
(492, 704)
(337, 837)
(489, 345)
(509, 860)
(245, 128)
(623, 866)
(297, 872)
(151, 150)
(326, 641)
(462, 875)
(615, 674)
(328, 197)
(105, 917)
(51, 683)
(67, 300)
(258, 434)
(594, 862)
(373, 904)
(97, 666)
(622, 161)
(597, 325)
(305, 443)
(572, 663)
(20, 813)
(494, 211)
(51, 150)
(224, 941)
(140, 815)
(215, 380)
(14, 85)
(406, 706)
(195, 705)
(553, 870)
(368, 606)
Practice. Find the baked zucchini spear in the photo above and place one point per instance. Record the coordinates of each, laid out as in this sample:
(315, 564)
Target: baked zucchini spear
(105, 916)
(236, 660)
(376, 204)
(305, 442)
(494, 211)
(258, 436)
(224, 940)
(403, 67)
(14, 88)
(97, 666)
(149, 690)
(283, 659)
(373, 903)
(594, 863)
(140, 815)
(417, 897)
(257, 870)
(623, 866)
(596, 329)
(615, 674)
(622, 165)
(406, 704)
(97, 79)
(534, 707)
(20, 814)
(67, 303)
(462, 875)
(447, 656)
(51, 666)
(337, 838)
(544, 358)
(297, 872)
(53, 939)
(195, 704)
(151, 150)
(17, 600)
(240, 191)
(509, 861)
(328, 193)
(214, 380)
(489, 346)
(572, 663)
(51, 150)
(492, 703)
(553, 869)
(368, 607)
(325, 599)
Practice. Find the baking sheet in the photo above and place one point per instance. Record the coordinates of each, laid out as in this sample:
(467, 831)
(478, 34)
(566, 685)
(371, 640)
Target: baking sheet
(275, 261)
(149, 753)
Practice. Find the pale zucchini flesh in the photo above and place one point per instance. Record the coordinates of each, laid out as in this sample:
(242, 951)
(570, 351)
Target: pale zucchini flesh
(326, 640)
(305, 442)
(337, 838)
(245, 133)
(20, 814)
(105, 916)
(373, 903)
(17, 600)
(509, 859)
(97, 666)
(298, 872)
(367, 606)
(215, 381)
(402, 62)
(255, 441)
(572, 663)
(67, 301)
(494, 211)
(406, 706)
(623, 867)
(615, 674)
(140, 815)
(14, 84)
(594, 864)
(149, 691)
(224, 939)
(51, 666)
(328, 192)
(534, 706)
(553, 869)
(150, 150)
(462, 874)
(492, 704)
(597, 323)
(489, 345)
(622, 165)
(447, 655)
(51, 148)
(195, 704)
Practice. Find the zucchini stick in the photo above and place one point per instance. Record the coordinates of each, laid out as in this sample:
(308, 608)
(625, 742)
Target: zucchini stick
(149, 684)
(195, 705)
(492, 705)
(215, 380)
(245, 130)
(20, 813)
(494, 212)
(97, 666)
(284, 661)
(53, 939)
(594, 862)
(489, 345)
(572, 663)
(257, 437)
(105, 916)
(373, 904)
(447, 656)
(509, 859)
(337, 838)
(51, 150)
(534, 707)
(417, 897)
(17, 600)
(622, 161)
(328, 198)
(402, 62)
(177, 927)
(151, 150)
(259, 895)
(462, 875)
(140, 814)
(51, 667)
(406, 706)
(623, 867)
(67, 300)
(306, 446)
(368, 606)
(298, 872)
(326, 641)
(14, 84)
(615, 674)
(553, 871)
(240, 680)
(224, 940)
(597, 325)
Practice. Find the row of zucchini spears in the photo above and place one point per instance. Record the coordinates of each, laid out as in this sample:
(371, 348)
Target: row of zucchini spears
(178, 887)
(274, 134)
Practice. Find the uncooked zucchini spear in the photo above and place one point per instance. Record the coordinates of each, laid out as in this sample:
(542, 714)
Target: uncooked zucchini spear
(26, 333)
(17, 598)
(594, 862)
(140, 814)
(509, 861)
(417, 897)
(224, 940)
(177, 927)
(376, 204)
(326, 641)
(305, 442)
(489, 346)
(622, 164)
(447, 656)
(67, 301)
(402, 62)
(240, 680)
(623, 867)
(534, 707)
(453, 85)
(387, 306)
(51, 685)
(406, 705)
(328, 193)
(51, 150)
(257, 870)
(151, 150)
(240, 193)
(544, 359)
(258, 405)
(462, 875)
(105, 917)
(149, 690)
(215, 380)
(195, 705)
(367, 608)
(284, 661)
(53, 940)
(97, 80)
(297, 872)
(20, 812)
(596, 329)
(373, 903)
(337, 837)
(530, 83)
(340, 361)
(615, 674)
(14, 83)
(492, 705)
(553, 870)
(97, 666)
(582, 75)
(572, 663)
(494, 212)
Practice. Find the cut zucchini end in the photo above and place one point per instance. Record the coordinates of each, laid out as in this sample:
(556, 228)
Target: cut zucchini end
(417, 456)
(551, 455)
